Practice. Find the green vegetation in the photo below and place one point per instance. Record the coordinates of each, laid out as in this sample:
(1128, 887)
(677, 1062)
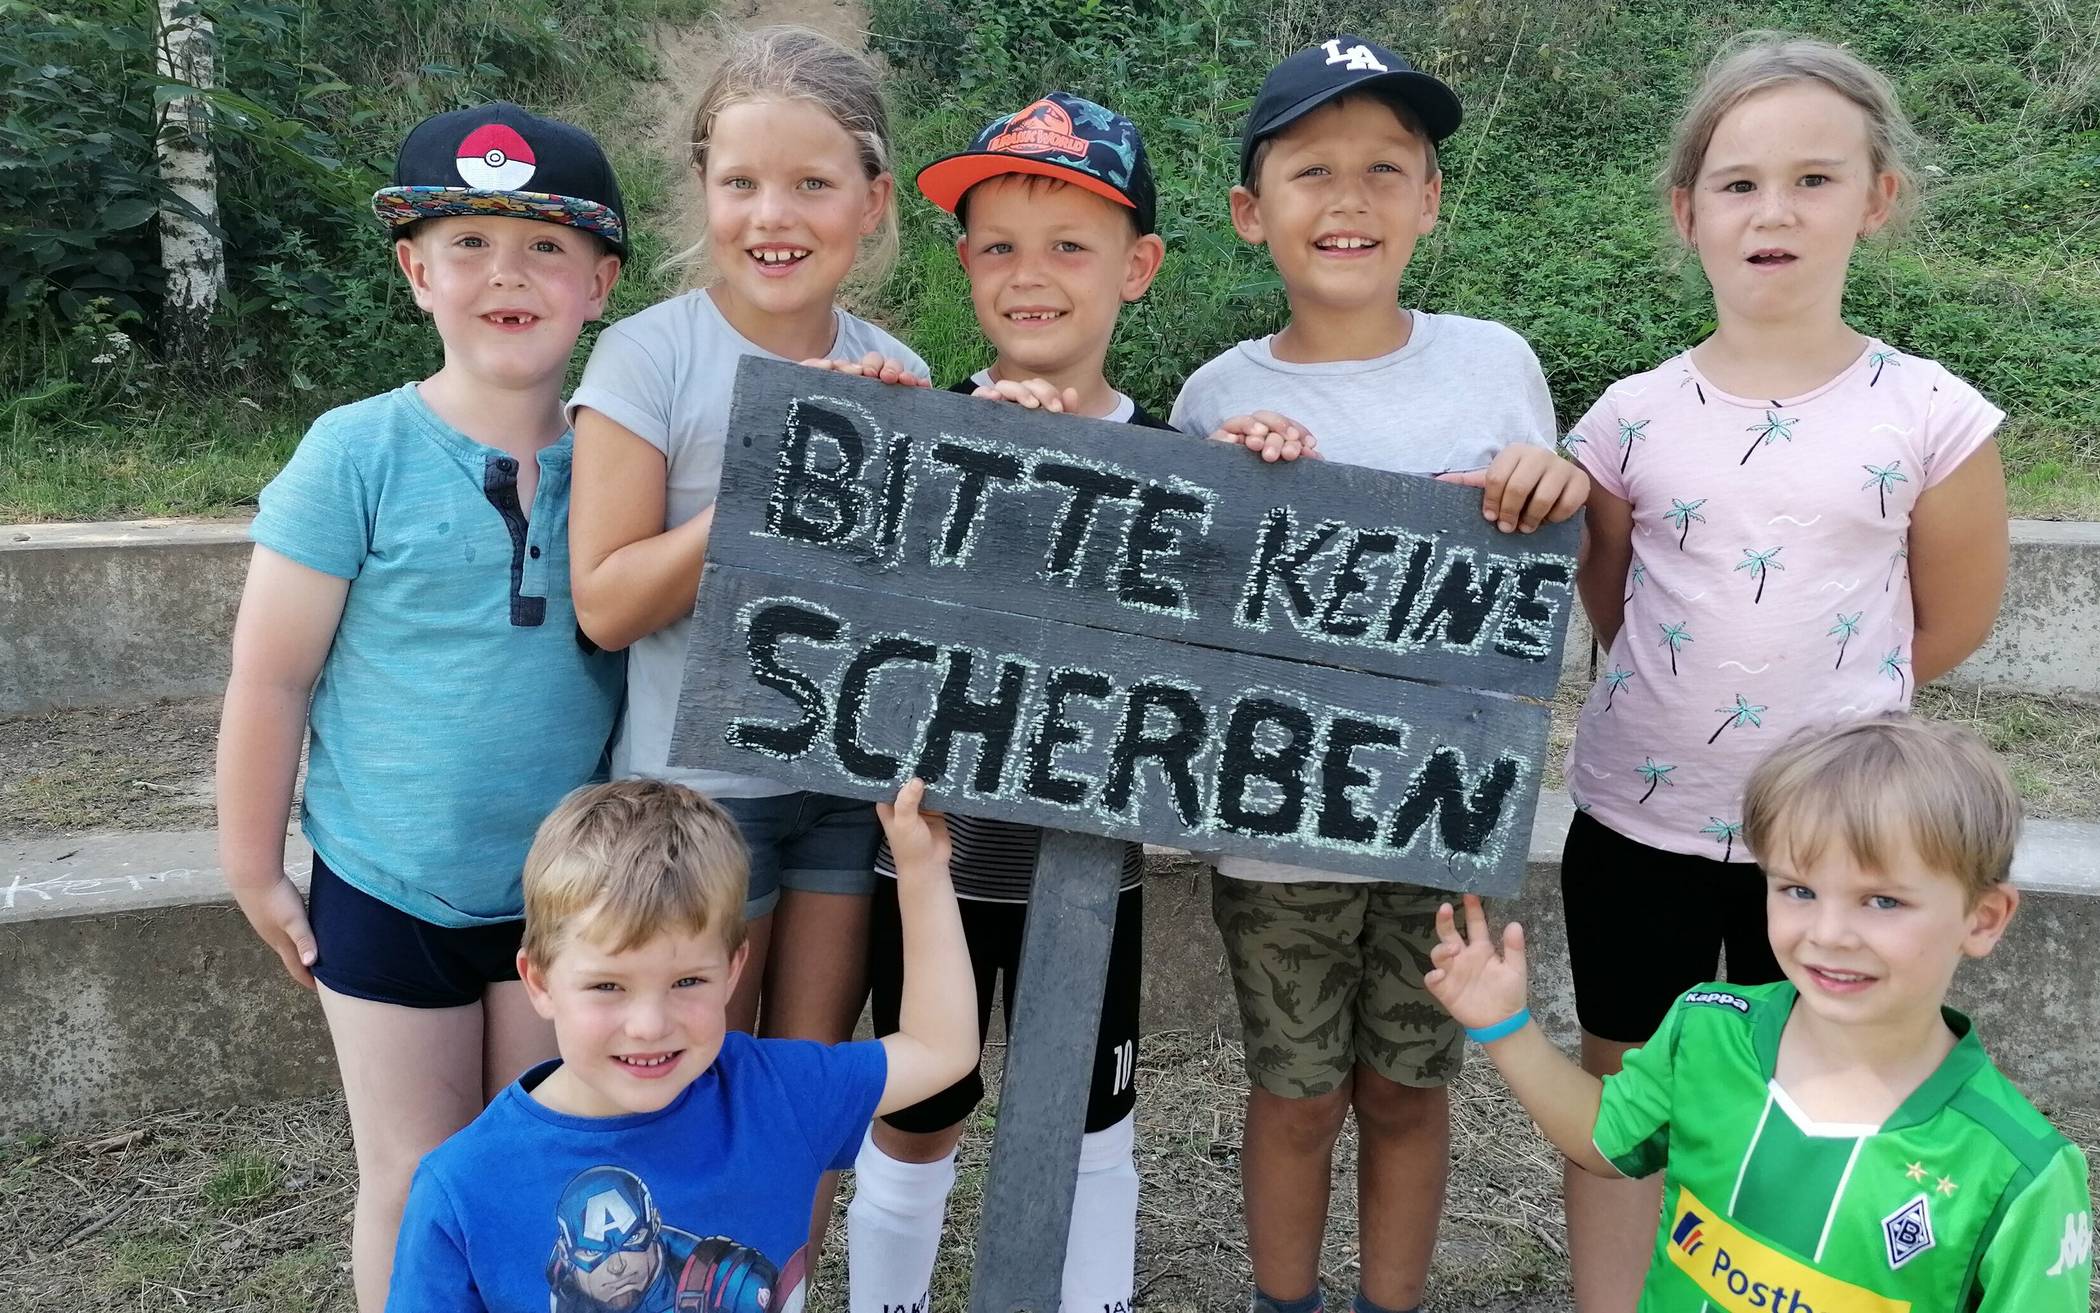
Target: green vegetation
(314, 98)
(1551, 223)
(1550, 219)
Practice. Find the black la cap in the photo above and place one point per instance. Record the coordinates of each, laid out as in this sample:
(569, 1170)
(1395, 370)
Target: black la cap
(1336, 67)
(504, 160)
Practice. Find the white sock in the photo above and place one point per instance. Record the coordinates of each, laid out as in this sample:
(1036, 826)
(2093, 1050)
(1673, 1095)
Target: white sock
(893, 1230)
(1101, 1255)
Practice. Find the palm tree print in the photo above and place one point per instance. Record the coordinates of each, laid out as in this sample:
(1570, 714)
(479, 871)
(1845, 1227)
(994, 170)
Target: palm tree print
(1655, 774)
(1630, 433)
(1675, 637)
(1758, 563)
(1681, 514)
(1773, 427)
(1885, 479)
(1892, 666)
(1723, 832)
(1742, 713)
(1567, 444)
(1636, 579)
(1613, 682)
(1881, 359)
(1842, 631)
(1902, 554)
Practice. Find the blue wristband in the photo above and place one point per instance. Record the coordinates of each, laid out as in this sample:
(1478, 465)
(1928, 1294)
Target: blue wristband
(1489, 1034)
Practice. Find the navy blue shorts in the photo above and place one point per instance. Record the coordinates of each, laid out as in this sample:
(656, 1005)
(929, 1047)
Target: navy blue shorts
(373, 950)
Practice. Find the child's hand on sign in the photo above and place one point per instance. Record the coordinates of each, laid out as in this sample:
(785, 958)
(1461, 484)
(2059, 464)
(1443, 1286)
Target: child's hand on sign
(1033, 393)
(1525, 487)
(1476, 984)
(874, 365)
(918, 839)
(1271, 436)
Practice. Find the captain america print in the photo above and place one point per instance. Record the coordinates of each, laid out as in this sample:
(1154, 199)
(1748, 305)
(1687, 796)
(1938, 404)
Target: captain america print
(613, 1253)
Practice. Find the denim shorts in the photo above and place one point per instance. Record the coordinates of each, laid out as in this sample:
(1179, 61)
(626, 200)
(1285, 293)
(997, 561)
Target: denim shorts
(808, 841)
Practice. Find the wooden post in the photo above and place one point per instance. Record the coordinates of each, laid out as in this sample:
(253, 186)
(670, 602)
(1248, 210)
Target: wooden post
(1049, 1066)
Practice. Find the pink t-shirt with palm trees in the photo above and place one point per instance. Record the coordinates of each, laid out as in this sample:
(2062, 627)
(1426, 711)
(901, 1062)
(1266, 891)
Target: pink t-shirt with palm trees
(1768, 588)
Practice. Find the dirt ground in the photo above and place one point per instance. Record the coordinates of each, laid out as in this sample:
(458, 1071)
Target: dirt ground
(149, 767)
(247, 1210)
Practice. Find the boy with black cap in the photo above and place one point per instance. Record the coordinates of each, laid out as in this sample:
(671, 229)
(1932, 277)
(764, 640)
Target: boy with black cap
(410, 582)
(1339, 179)
(1057, 208)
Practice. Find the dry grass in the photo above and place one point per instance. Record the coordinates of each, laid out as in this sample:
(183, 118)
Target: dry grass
(247, 1210)
(133, 768)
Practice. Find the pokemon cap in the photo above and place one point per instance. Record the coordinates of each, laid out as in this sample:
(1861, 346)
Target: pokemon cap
(500, 159)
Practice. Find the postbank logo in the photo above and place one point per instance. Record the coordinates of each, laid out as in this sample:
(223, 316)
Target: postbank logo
(1738, 1273)
(1042, 129)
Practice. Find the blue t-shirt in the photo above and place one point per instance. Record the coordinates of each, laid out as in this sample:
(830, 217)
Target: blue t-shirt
(704, 1205)
(459, 701)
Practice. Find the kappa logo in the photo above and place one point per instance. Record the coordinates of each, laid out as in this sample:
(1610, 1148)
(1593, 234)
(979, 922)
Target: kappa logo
(1719, 998)
(1042, 129)
(493, 157)
(2076, 1247)
(1356, 58)
(1907, 1232)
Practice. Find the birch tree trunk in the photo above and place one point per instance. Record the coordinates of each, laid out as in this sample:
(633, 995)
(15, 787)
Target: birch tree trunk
(191, 254)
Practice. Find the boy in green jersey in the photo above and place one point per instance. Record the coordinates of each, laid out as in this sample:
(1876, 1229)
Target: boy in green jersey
(1838, 1142)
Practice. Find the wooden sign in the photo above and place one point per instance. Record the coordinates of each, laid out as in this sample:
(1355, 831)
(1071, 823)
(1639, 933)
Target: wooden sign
(1123, 632)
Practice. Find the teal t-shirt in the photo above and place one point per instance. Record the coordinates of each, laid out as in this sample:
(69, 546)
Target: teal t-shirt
(1965, 1200)
(459, 702)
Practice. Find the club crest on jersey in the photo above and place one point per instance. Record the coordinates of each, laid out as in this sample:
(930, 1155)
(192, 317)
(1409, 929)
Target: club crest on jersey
(1907, 1232)
(493, 157)
(1719, 998)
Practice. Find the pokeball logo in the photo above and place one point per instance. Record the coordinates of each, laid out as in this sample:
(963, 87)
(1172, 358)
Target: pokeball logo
(495, 158)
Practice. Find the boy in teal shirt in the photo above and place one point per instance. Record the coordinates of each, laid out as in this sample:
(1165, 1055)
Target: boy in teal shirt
(408, 601)
(1840, 1140)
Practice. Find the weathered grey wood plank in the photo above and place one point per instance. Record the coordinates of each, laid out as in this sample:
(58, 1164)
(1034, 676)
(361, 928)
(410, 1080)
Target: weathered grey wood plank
(1003, 508)
(1049, 1065)
(840, 689)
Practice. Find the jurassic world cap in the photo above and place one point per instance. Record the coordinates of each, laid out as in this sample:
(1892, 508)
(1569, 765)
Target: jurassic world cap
(500, 159)
(1337, 67)
(1059, 136)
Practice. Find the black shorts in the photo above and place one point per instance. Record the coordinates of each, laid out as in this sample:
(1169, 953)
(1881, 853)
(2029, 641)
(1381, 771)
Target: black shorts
(1644, 925)
(373, 950)
(994, 933)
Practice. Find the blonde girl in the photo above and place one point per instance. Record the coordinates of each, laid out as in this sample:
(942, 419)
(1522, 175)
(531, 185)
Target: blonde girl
(791, 152)
(1791, 524)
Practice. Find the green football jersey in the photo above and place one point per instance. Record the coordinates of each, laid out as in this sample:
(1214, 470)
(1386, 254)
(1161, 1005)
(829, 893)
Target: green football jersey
(1965, 1199)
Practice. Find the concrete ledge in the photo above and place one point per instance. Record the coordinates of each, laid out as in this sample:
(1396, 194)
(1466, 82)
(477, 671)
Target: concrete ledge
(132, 982)
(93, 614)
(97, 614)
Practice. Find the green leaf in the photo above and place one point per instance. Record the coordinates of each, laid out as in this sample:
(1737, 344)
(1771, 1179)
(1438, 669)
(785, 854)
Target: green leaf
(129, 212)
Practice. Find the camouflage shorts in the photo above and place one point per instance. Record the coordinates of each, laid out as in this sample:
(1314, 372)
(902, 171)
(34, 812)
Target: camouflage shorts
(1330, 975)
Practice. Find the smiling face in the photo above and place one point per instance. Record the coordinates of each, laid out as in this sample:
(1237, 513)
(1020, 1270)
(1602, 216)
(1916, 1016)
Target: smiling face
(1868, 946)
(1345, 192)
(508, 295)
(634, 1027)
(788, 202)
(1786, 189)
(1050, 265)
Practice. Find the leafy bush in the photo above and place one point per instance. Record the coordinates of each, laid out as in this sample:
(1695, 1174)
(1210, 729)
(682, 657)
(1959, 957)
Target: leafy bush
(1551, 223)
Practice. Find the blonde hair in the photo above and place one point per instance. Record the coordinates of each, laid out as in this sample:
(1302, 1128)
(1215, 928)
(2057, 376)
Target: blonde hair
(1879, 786)
(631, 860)
(795, 63)
(1755, 62)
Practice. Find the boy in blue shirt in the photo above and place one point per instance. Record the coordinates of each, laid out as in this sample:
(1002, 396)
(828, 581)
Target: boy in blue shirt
(667, 1163)
(408, 601)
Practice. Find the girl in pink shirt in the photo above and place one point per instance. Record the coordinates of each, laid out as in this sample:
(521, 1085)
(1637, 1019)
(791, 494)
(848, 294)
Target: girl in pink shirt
(1790, 524)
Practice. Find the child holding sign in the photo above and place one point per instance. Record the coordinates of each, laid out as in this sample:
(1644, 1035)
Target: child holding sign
(1056, 203)
(667, 1162)
(1790, 524)
(1837, 1140)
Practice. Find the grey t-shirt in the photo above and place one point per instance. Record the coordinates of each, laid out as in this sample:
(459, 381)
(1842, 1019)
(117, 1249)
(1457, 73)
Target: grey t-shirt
(1460, 391)
(665, 374)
